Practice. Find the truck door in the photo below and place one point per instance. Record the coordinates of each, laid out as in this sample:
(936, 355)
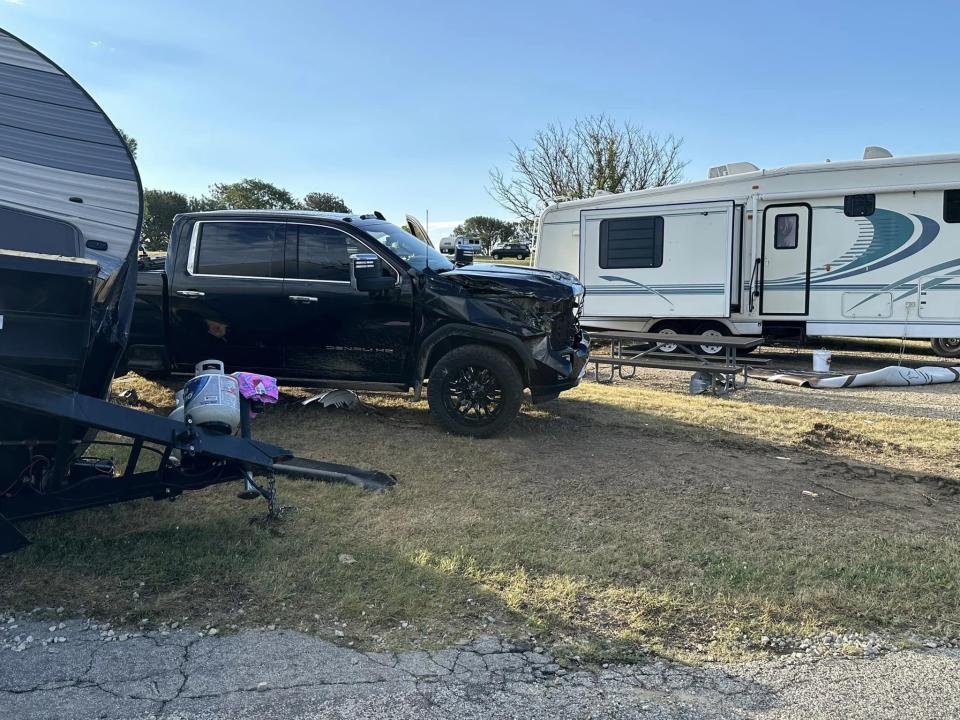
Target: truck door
(785, 266)
(227, 303)
(332, 331)
(657, 261)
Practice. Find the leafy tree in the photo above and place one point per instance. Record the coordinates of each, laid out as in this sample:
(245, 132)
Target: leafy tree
(130, 142)
(595, 153)
(159, 209)
(247, 194)
(487, 230)
(203, 203)
(325, 202)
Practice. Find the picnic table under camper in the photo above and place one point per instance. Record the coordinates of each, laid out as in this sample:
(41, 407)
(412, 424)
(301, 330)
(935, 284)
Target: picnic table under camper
(722, 370)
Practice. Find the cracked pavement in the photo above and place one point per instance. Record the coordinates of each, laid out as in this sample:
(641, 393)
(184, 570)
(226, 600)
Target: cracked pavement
(76, 670)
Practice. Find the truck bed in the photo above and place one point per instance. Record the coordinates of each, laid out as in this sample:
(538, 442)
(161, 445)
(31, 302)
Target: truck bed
(147, 348)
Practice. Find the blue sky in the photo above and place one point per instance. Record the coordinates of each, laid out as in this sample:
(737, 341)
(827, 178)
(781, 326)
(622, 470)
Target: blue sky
(405, 106)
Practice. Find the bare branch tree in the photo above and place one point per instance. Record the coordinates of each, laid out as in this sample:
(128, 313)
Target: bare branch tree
(595, 153)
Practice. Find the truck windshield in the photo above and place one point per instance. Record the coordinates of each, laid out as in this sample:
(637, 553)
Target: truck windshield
(415, 252)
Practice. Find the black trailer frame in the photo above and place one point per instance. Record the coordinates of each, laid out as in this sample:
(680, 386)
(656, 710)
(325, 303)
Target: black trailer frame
(205, 458)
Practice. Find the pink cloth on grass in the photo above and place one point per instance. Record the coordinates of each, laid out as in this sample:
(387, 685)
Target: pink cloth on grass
(257, 387)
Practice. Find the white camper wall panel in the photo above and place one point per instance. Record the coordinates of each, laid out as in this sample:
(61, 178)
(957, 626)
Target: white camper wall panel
(939, 297)
(903, 248)
(558, 247)
(693, 277)
(866, 304)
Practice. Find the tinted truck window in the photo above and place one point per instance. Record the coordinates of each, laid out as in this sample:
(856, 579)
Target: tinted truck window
(322, 253)
(245, 249)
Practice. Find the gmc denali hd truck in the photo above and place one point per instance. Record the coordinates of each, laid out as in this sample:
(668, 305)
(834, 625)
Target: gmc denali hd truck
(353, 301)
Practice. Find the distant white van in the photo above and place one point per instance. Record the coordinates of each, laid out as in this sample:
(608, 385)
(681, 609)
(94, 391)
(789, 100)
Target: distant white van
(450, 243)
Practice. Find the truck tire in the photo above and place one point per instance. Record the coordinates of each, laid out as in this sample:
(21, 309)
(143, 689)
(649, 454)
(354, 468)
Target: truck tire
(475, 390)
(946, 347)
(496, 256)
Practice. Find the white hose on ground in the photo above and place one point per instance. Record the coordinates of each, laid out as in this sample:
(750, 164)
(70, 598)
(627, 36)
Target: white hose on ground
(893, 376)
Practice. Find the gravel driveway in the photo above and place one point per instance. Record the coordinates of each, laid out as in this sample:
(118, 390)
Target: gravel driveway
(77, 671)
(849, 356)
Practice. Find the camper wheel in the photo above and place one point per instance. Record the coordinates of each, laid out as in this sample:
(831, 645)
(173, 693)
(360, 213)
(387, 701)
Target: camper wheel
(711, 330)
(946, 347)
(667, 347)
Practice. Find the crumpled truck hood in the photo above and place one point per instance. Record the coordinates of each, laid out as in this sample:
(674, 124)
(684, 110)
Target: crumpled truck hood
(522, 301)
(517, 281)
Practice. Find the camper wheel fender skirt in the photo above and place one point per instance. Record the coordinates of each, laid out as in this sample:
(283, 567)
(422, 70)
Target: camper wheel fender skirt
(450, 336)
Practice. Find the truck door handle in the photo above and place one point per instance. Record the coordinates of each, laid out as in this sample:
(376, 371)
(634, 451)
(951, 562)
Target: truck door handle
(191, 293)
(303, 299)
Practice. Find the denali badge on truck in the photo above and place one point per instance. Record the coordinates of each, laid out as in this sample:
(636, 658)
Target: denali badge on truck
(341, 348)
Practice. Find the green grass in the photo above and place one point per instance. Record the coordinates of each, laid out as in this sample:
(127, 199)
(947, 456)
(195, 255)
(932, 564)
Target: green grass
(615, 519)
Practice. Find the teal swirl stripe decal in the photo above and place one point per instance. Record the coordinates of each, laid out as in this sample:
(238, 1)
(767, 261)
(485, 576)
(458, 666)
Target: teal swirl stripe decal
(929, 229)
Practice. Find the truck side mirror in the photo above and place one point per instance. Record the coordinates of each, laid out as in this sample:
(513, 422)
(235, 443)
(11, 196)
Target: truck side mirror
(366, 273)
(463, 256)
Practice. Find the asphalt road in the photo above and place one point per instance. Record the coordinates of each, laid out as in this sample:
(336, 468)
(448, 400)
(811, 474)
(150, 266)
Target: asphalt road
(79, 672)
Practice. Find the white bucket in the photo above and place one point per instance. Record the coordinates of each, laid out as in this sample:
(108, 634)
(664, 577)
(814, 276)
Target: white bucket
(821, 360)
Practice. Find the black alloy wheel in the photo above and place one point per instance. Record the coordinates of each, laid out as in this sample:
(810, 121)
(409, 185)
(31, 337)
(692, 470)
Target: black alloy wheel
(474, 393)
(475, 390)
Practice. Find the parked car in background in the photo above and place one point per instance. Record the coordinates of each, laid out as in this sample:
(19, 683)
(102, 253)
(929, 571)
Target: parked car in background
(352, 301)
(521, 251)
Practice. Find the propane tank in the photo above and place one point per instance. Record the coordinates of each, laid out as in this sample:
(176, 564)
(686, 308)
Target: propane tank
(177, 413)
(212, 399)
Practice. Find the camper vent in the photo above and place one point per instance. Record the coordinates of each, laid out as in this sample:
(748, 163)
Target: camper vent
(601, 192)
(875, 152)
(731, 169)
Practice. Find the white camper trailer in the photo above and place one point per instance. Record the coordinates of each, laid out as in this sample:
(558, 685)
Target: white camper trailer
(866, 248)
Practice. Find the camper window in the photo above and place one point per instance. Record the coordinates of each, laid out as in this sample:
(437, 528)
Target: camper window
(785, 232)
(951, 206)
(859, 205)
(27, 232)
(635, 242)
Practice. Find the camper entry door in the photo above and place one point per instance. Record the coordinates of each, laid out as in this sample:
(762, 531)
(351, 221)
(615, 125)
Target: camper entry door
(785, 267)
(657, 261)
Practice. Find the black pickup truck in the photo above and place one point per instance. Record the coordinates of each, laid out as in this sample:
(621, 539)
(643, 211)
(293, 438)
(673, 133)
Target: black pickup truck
(353, 301)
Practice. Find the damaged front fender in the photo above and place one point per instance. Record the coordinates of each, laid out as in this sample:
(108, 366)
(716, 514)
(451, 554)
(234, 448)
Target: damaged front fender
(532, 312)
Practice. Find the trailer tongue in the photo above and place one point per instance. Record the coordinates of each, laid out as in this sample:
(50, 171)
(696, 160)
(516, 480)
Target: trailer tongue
(60, 484)
(71, 207)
